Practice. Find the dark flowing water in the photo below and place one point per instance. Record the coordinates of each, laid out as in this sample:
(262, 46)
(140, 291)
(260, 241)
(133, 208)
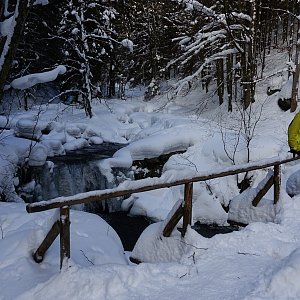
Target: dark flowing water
(92, 152)
(209, 231)
(128, 228)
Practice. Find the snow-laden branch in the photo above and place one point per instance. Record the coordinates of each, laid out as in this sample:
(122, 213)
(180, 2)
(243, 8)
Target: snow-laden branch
(197, 6)
(281, 10)
(30, 80)
(8, 31)
(189, 79)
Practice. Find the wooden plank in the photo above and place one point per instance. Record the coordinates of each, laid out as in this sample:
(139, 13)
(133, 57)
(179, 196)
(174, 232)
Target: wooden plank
(173, 221)
(38, 256)
(155, 184)
(263, 191)
(64, 235)
(187, 209)
(277, 182)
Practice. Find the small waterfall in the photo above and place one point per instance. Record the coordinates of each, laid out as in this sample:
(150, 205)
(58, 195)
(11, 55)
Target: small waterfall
(70, 178)
(65, 179)
(77, 172)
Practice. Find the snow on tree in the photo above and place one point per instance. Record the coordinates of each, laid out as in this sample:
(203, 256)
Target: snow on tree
(30, 80)
(89, 42)
(12, 19)
(232, 33)
(150, 25)
(222, 33)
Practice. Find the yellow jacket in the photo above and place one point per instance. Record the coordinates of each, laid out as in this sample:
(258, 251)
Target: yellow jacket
(294, 133)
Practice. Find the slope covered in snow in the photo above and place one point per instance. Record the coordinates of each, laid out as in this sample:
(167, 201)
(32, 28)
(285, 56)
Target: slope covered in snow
(260, 261)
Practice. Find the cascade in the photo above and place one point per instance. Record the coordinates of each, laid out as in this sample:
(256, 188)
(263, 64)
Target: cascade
(76, 172)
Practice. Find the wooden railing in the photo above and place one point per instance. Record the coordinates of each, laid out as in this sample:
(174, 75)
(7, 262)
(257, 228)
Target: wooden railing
(62, 226)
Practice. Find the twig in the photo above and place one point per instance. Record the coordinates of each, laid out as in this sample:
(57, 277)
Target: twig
(183, 275)
(190, 163)
(193, 256)
(2, 234)
(87, 258)
(198, 248)
(245, 253)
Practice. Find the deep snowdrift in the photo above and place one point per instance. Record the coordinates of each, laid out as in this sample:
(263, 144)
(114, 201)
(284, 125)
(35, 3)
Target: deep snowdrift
(259, 262)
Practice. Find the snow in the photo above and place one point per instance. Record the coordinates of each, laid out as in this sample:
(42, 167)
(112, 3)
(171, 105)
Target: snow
(171, 140)
(41, 2)
(154, 204)
(5, 26)
(93, 241)
(286, 90)
(28, 128)
(30, 80)
(276, 82)
(293, 184)
(260, 261)
(75, 144)
(127, 44)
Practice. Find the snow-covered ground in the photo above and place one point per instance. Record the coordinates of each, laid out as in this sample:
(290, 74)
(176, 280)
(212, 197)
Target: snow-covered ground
(261, 261)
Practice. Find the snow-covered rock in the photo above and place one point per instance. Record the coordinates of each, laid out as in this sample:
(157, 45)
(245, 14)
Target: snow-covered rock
(28, 128)
(154, 204)
(293, 184)
(37, 155)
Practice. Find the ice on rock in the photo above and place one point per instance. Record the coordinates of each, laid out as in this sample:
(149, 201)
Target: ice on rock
(28, 128)
(73, 131)
(293, 184)
(76, 144)
(55, 147)
(38, 155)
(57, 135)
(95, 140)
(3, 122)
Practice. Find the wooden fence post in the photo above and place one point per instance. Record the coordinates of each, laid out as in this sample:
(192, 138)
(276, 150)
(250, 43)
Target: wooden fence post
(38, 255)
(277, 182)
(187, 209)
(64, 235)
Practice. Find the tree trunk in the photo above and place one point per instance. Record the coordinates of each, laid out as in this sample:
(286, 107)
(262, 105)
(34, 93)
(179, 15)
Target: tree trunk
(250, 69)
(229, 80)
(112, 81)
(87, 94)
(294, 96)
(2, 18)
(220, 80)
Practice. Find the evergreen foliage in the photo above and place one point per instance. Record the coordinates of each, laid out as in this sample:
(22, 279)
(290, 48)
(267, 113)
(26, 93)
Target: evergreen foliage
(108, 44)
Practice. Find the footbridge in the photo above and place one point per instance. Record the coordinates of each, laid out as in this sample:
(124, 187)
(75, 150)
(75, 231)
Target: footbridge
(182, 210)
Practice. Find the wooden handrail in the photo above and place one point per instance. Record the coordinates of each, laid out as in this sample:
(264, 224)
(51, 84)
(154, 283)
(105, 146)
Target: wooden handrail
(149, 184)
(184, 210)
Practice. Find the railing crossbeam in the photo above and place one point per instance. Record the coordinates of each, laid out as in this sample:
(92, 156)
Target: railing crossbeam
(173, 221)
(38, 255)
(263, 191)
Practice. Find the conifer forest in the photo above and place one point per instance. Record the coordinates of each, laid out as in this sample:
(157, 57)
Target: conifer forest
(106, 45)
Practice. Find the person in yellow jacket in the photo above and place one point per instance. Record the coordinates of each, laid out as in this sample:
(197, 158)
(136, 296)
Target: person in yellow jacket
(294, 135)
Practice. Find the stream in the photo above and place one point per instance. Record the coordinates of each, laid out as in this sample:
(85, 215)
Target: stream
(77, 172)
